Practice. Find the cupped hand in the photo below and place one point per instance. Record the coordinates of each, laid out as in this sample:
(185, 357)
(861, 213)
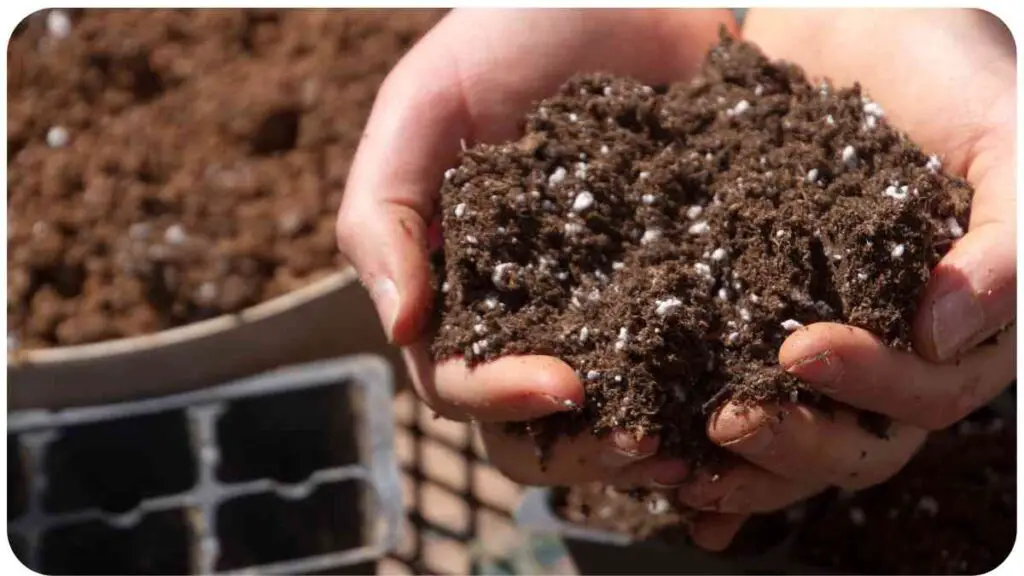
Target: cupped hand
(471, 79)
(947, 78)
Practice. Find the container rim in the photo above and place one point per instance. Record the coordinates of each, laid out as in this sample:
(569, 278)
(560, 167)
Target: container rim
(179, 334)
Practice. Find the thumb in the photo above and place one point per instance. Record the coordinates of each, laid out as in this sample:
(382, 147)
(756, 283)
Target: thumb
(973, 291)
(392, 192)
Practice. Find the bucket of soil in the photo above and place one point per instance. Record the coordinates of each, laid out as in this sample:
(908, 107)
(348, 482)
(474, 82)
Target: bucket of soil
(173, 178)
(665, 240)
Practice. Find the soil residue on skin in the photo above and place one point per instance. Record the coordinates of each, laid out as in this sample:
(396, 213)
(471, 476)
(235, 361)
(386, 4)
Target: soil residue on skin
(952, 510)
(664, 241)
(167, 166)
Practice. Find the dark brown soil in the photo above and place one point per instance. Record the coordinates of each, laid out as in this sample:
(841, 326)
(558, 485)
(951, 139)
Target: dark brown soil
(664, 240)
(952, 510)
(205, 156)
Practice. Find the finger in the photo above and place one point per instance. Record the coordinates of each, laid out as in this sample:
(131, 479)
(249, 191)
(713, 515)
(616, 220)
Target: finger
(442, 93)
(578, 459)
(714, 532)
(743, 489)
(512, 388)
(973, 292)
(808, 446)
(974, 92)
(856, 368)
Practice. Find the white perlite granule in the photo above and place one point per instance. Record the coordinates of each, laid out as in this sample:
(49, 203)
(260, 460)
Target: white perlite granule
(206, 292)
(850, 157)
(557, 176)
(698, 228)
(934, 164)
(58, 24)
(650, 235)
(740, 107)
(897, 192)
(175, 235)
(593, 375)
(898, 250)
(57, 137)
(623, 339)
(667, 306)
(479, 347)
(719, 254)
(460, 210)
(694, 212)
(812, 175)
(583, 201)
(955, 230)
(791, 325)
(449, 173)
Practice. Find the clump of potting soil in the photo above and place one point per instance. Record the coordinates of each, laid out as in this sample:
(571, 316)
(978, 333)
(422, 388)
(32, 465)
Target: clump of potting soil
(664, 241)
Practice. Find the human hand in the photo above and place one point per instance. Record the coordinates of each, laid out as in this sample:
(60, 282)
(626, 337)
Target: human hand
(948, 79)
(472, 78)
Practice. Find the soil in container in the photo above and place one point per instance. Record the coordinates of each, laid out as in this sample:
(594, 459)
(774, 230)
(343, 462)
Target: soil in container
(266, 528)
(665, 240)
(159, 544)
(113, 465)
(168, 166)
(287, 437)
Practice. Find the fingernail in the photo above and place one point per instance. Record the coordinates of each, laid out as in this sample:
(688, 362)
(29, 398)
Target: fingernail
(385, 298)
(820, 369)
(746, 431)
(626, 450)
(669, 474)
(957, 317)
(753, 443)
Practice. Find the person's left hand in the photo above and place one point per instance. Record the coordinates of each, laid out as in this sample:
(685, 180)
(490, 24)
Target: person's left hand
(948, 79)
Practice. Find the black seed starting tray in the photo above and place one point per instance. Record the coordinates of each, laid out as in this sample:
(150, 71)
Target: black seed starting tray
(289, 472)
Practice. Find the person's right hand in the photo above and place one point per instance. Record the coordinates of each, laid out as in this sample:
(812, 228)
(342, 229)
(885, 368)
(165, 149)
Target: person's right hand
(472, 78)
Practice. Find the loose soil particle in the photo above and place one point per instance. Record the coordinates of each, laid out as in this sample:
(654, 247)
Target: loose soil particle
(664, 241)
(167, 166)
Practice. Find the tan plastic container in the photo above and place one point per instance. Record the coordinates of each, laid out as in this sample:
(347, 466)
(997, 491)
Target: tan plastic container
(329, 318)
